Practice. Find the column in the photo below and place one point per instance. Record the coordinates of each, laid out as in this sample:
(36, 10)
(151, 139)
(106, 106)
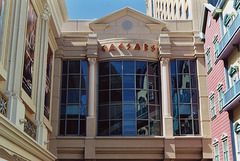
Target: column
(166, 98)
(16, 108)
(92, 77)
(41, 76)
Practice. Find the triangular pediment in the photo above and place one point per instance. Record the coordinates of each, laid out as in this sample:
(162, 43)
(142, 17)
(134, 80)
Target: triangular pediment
(149, 21)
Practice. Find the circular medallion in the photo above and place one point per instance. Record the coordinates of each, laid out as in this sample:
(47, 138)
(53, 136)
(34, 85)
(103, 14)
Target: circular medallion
(127, 25)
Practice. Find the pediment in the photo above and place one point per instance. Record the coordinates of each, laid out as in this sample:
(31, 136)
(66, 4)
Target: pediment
(150, 22)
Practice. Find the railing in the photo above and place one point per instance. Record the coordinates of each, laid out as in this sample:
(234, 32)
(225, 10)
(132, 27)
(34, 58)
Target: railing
(228, 35)
(4, 104)
(231, 93)
(30, 128)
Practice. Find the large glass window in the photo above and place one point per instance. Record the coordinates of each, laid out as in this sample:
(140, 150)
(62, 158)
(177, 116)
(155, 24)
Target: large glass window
(73, 98)
(2, 2)
(184, 97)
(29, 49)
(129, 98)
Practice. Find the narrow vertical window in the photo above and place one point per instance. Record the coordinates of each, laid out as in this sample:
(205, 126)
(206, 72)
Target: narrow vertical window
(220, 96)
(212, 105)
(225, 150)
(184, 97)
(180, 11)
(48, 83)
(2, 2)
(29, 49)
(73, 98)
(208, 55)
(187, 13)
(216, 150)
(215, 42)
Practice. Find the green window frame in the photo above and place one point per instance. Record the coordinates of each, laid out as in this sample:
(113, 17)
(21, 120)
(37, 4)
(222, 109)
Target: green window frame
(215, 42)
(212, 105)
(225, 147)
(208, 56)
(216, 152)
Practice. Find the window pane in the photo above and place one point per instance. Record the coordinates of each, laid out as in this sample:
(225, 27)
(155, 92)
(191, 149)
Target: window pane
(175, 111)
(194, 96)
(64, 67)
(174, 97)
(184, 96)
(128, 67)
(72, 127)
(192, 66)
(116, 112)
(84, 68)
(104, 68)
(129, 127)
(186, 126)
(152, 83)
(72, 111)
(128, 81)
(83, 97)
(173, 67)
(103, 83)
(176, 127)
(185, 111)
(196, 127)
(182, 66)
(116, 97)
(129, 112)
(153, 68)
(74, 66)
(83, 82)
(63, 96)
(142, 127)
(103, 97)
(103, 113)
(83, 112)
(154, 112)
(142, 96)
(116, 67)
(155, 127)
(193, 81)
(63, 112)
(153, 97)
(116, 82)
(174, 81)
(129, 96)
(195, 111)
(83, 127)
(116, 127)
(142, 111)
(141, 67)
(64, 81)
(73, 96)
(141, 81)
(74, 81)
(103, 128)
(183, 81)
(62, 127)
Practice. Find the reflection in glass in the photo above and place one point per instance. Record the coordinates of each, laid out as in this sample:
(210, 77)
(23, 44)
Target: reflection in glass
(186, 126)
(103, 128)
(116, 67)
(128, 96)
(185, 111)
(194, 96)
(192, 67)
(116, 112)
(63, 112)
(175, 111)
(104, 68)
(84, 82)
(173, 67)
(73, 96)
(104, 81)
(176, 127)
(155, 128)
(142, 127)
(74, 66)
(141, 67)
(116, 82)
(116, 127)
(128, 81)
(154, 112)
(116, 97)
(73, 81)
(153, 68)
(182, 66)
(184, 96)
(129, 112)
(83, 112)
(196, 127)
(103, 97)
(72, 111)
(83, 97)
(129, 127)
(183, 81)
(174, 81)
(141, 81)
(128, 67)
(63, 96)
(193, 81)
(195, 111)
(174, 97)
(84, 68)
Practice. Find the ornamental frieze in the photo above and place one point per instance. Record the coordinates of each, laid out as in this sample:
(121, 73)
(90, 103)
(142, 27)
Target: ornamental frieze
(129, 46)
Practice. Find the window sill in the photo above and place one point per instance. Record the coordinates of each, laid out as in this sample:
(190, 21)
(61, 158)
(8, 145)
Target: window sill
(209, 71)
(221, 111)
(28, 101)
(214, 117)
(216, 61)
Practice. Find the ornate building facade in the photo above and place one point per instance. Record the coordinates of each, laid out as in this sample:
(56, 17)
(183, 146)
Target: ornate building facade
(122, 87)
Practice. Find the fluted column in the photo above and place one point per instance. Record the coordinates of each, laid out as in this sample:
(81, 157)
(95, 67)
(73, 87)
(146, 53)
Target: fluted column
(41, 76)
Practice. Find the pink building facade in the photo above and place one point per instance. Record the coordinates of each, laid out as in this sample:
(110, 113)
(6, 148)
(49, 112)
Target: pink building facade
(216, 82)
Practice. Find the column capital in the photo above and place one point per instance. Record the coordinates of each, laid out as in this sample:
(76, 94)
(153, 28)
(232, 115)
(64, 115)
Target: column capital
(165, 61)
(92, 61)
(46, 13)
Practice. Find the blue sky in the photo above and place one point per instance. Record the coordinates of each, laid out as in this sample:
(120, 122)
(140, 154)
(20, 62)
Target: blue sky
(90, 9)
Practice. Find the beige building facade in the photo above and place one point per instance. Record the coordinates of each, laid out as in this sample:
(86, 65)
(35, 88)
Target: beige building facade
(123, 87)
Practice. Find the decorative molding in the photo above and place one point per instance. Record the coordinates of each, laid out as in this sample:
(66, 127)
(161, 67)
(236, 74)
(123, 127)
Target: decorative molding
(211, 95)
(220, 86)
(215, 142)
(224, 136)
(165, 61)
(215, 39)
(92, 61)
(46, 13)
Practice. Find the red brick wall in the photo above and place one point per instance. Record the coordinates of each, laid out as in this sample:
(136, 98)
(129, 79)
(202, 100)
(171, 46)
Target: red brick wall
(220, 124)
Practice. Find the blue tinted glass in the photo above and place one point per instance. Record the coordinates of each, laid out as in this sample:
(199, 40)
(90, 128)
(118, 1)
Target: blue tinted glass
(73, 81)
(63, 112)
(174, 81)
(83, 81)
(195, 111)
(128, 67)
(73, 96)
(154, 112)
(116, 97)
(116, 82)
(116, 112)
(83, 112)
(128, 96)
(194, 96)
(129, 112)
(183, 81)
(141, 67)
(186, 126)
(128, 81)
(176, 127)
(142, 111)
(185, 111)
(174, 97)
(153, 68)
(173, 67)
(83, 97)
(141, 81)
(155, 127)
(104, 68)
(72, 111)
(193, 81)
(84, 67)
(116, 67)
(182, 66)
(184, 96)
(74, 66)
(192, 66)
(116, 127)
(175, 111)
(129, 127)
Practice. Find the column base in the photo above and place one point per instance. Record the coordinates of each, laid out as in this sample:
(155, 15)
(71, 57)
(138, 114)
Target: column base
(91, 127)
(168, 126)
